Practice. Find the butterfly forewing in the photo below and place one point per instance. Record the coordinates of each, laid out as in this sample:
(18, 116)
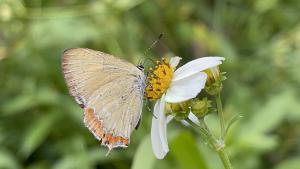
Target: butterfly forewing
(109, 90)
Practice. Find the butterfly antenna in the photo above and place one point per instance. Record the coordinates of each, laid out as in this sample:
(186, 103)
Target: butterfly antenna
(147, 105)
(152, 112)
(153, 44)
(108, 152)
(149, 109)
(142, 60)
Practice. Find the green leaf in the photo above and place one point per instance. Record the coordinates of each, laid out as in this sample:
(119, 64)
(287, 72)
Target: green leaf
(62, 32)
(39, 165)
(293, 163)
(7, 160)
(18, 104)
(86, 158)
(30, 99)
(76, 161)
(232, 121)
(272, 113)
(254, 133)
(185, 150)
(143, 157)
(37, 133)
(125, 4)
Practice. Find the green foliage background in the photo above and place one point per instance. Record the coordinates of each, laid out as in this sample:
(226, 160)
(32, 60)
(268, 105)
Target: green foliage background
(41, 126)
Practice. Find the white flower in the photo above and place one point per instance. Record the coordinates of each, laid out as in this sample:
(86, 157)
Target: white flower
(187, 82)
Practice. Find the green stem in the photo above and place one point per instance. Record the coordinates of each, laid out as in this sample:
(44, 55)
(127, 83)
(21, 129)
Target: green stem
(206, 133)
(221, 116)
(204, 130)
(225, 159)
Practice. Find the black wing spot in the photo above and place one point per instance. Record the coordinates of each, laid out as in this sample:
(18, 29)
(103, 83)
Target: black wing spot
(138, 124)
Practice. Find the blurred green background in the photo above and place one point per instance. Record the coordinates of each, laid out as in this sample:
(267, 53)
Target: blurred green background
(41, 125)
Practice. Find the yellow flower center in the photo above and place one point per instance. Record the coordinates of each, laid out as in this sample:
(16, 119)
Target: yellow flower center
(159, 79)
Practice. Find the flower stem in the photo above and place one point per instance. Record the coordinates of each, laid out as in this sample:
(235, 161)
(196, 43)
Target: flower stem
(225, 159)
(221, 116)
(203, 129)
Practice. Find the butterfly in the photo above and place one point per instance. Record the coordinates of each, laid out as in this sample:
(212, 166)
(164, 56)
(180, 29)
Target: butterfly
(109, 90)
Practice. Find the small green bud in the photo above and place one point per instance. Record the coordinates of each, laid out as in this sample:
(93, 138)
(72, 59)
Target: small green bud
(214, 88)
(200, 107)
(179, 110)
(213, 74)
(214, 83)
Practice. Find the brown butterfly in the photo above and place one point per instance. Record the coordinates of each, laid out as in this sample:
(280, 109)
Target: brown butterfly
(109, 90)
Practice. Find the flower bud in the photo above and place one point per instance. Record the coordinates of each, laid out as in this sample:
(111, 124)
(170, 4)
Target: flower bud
(213, 75)
(200, 107)
(179, 110)
(214, 88)
(214, 80)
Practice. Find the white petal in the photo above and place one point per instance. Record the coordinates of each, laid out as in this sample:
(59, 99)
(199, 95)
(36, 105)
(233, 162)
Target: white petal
(174, 61)
(185, 123)
(215, 72)
(169, 118)
(162, 118)
(156, 108)
(194, 119)
(187, 88)
(158, 131)
(155, 138)
(196, 65)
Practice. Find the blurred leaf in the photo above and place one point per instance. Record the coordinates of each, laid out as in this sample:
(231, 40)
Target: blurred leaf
(39, 165)
(25, 101)
(61, 32)
(185, 150)
(203, 36)
(125, 4)
(37, 133)
(265, 5)
(76, 161)
(144, 157)
(7, 160)
(272, 113)
(18, 104)
(292, 163)
(86, 158)
(254, 133)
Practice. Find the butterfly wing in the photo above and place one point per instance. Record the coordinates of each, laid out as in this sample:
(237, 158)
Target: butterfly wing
(109, 90)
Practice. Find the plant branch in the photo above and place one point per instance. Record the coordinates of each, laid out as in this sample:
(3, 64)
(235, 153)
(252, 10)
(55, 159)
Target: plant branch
(204, 130)
(221, 116)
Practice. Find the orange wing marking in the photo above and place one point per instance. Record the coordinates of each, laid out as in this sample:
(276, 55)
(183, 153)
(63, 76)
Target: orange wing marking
(95, 126)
